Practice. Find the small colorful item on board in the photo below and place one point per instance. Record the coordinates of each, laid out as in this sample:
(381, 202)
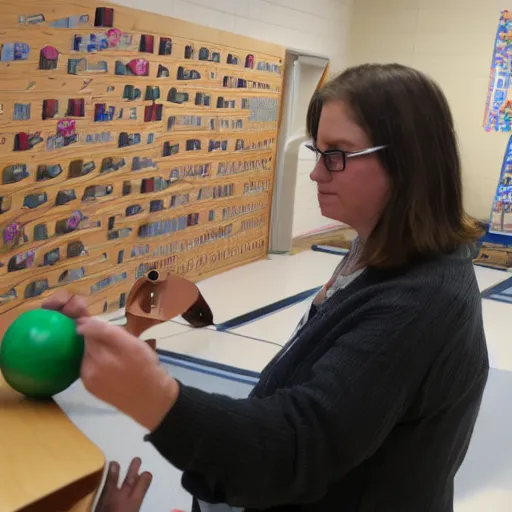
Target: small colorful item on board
(103, 112)
(34, 200)
(73, 222)
(138, 67)
(33, 19)
(152, 93)
(99, 138)
(21, 261)
(48, 172)
(76, 107)
(50, 109)
(21, 112)
(104, 17)
(14, 173)
(131, 93)
(165, 47)
(14, 52)
(66, 135)
(25, 259)
(49, 58)
(66, 127)
(88, 43)
(82, 66)
(128, 139)
(12, 232)
(188, 74)
(112, 39)
(163, 72)
(147, 43)
(25, 141)
(70, 22)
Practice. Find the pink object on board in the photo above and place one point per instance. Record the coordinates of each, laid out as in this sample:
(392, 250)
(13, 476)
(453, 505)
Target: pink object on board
(113, 36)
(66, 127)
(11, 232)
(50, 53)
(74, 220)
(139, 67)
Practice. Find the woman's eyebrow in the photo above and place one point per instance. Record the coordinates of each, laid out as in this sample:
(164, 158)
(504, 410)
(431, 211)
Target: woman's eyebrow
(339, 144)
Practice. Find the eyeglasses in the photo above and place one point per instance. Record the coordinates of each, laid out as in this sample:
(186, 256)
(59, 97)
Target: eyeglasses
(335, 160)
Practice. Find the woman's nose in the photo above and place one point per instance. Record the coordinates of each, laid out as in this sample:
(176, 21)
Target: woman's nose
(320, 173)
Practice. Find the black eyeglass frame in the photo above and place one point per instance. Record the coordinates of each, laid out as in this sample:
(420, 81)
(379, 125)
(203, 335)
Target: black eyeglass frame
(344, 155)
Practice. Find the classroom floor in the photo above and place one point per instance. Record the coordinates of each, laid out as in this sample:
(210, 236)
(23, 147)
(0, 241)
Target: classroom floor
(229, 362)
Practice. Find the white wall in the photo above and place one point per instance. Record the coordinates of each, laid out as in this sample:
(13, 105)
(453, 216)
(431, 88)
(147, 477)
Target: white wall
(319, 27)
(451, 40)
(315, 26)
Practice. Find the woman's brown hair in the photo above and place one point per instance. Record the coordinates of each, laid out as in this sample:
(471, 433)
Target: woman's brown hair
(405, 110)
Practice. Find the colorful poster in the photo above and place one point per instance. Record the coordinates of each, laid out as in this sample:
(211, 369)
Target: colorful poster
(501, 215)
(498, 111)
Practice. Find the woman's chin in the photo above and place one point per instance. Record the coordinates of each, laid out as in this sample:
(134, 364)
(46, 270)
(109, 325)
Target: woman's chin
(331, 213)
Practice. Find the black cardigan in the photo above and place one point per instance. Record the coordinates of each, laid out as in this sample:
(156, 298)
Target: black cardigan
(370, 409)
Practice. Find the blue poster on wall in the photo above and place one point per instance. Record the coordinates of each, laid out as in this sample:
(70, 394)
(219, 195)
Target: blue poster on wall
(501, 215)
(498, 111)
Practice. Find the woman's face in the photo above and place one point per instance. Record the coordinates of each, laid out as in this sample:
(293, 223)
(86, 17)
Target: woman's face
(357, 195)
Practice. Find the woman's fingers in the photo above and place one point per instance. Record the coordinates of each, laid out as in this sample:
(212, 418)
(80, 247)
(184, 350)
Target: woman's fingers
(123, 371)
(103, 332)
(57, 300)
(70, 305)
(99, 334)
(113, 337)
(91, 327)
(76, 307)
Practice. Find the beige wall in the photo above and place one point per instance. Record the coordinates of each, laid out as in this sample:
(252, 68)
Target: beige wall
(452, 41)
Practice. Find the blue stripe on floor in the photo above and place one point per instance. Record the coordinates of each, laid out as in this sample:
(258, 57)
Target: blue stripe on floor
(264, 311)
(502, 292)
(328, 249)
(208, 367)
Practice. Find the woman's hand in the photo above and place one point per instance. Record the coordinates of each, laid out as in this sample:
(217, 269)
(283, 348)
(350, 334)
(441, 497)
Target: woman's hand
(130, 496)
(73, 306)
(117, 367)
(123, 371)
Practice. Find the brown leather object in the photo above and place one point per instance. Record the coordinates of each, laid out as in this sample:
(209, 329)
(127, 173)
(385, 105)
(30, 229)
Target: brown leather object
(159, 297)
(199, 314)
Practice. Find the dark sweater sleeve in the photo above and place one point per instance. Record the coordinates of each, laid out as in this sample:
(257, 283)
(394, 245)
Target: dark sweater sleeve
(290, 447)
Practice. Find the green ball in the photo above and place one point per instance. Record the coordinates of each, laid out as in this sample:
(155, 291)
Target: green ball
(41, 353)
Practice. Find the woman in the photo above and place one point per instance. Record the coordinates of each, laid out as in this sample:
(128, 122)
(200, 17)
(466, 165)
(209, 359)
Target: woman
(372, 404)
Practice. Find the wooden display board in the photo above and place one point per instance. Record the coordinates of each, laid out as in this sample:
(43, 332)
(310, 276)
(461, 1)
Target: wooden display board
(128, 141)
